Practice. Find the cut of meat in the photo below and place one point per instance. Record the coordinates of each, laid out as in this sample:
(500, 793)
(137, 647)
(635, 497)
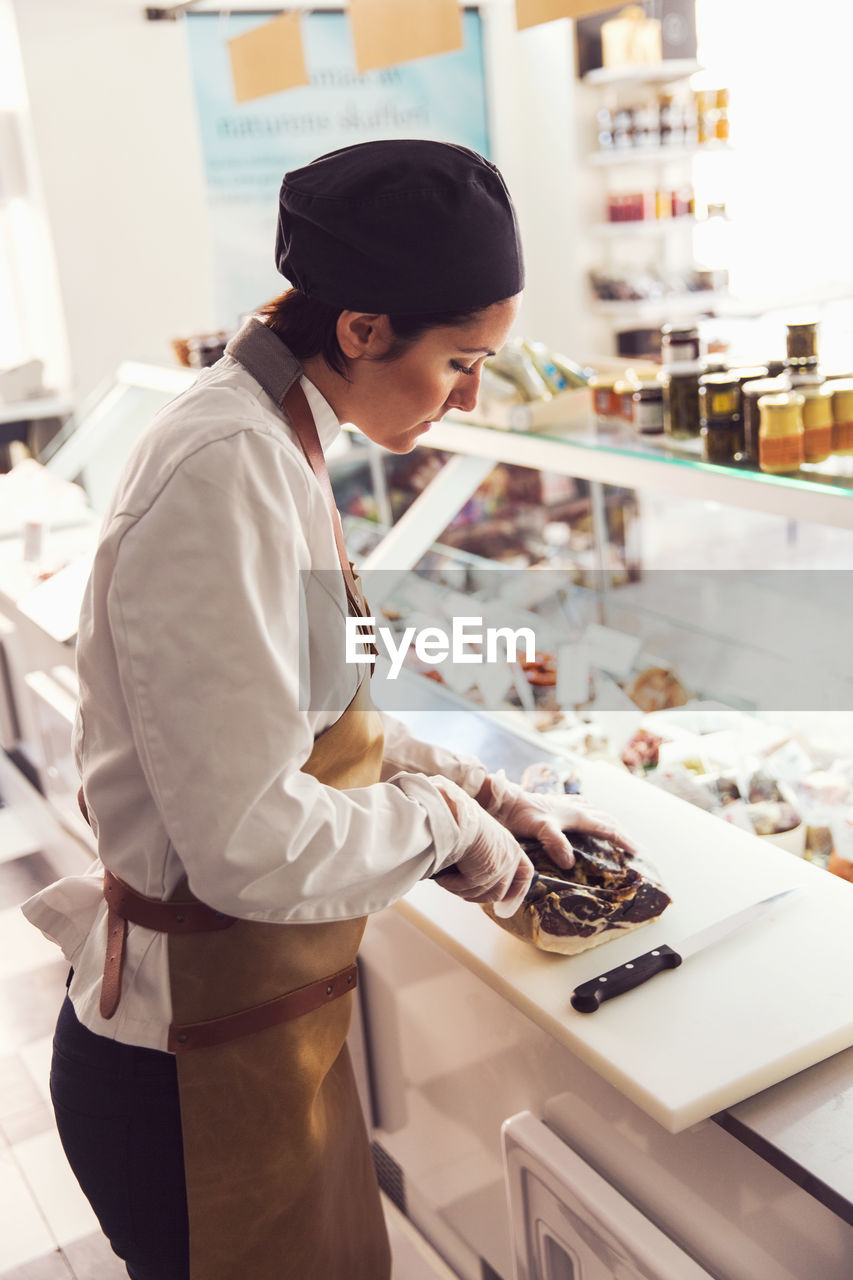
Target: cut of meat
(607, 892)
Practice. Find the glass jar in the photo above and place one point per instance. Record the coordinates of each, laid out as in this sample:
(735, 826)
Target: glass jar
(605, 404)
(721, 125)
(802, 341)
(719, 395)
(623, 391)
(719, 418)
(817, 423)
(681, 399)
(803, 373)
(648, 407)
(842, 415)
(750, 393)
(780, 432)
(679, 343)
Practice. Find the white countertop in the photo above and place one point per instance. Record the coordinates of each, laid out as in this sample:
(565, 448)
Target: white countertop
(802, 1124)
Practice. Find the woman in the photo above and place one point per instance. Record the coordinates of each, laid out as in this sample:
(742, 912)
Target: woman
(251, 807)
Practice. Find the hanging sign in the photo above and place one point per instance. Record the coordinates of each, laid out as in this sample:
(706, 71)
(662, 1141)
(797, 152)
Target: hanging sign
(268, 58)
(387, 32)
(530, 13)
(247, 146)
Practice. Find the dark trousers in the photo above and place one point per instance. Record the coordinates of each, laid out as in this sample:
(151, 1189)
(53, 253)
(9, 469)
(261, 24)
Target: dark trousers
(119, 1122)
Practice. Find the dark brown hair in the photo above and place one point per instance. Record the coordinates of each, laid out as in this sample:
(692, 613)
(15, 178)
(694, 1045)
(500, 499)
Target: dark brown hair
(309, 327)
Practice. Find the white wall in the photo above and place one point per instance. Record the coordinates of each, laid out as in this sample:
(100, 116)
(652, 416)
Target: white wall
(533, 94)
(115, 137)
(114, 126)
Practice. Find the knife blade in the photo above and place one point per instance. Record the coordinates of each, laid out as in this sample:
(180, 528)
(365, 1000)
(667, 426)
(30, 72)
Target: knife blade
(587, 997)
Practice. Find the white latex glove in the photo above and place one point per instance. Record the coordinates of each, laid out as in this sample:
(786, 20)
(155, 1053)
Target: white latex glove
(546, 817)
(486, 863)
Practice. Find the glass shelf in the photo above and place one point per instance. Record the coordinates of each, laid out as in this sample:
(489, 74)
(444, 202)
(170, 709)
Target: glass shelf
(836, 473)
(821, 494)
(656, 155)
(646, 73)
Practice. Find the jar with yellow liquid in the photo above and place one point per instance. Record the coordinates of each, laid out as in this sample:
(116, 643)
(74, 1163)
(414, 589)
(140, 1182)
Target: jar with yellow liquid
(781, 432)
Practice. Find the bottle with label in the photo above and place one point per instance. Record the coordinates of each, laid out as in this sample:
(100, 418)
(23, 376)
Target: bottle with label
(719, 418)
(605, 402)
(817, 422)
(801, 359)
(842, 415)
(648, 407)
(780, 432)
(681, 399)
(680, 343)
(750, 393)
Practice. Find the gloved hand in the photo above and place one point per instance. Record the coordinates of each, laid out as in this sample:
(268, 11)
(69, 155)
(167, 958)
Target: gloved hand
(486, 863)
(546, 817)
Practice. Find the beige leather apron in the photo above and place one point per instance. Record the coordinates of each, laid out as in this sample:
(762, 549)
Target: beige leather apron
(280, 1182)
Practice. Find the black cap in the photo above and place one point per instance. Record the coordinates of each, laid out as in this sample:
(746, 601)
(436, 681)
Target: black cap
(400, 226)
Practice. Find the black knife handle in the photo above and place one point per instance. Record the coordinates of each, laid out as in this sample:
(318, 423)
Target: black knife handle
(589, 995)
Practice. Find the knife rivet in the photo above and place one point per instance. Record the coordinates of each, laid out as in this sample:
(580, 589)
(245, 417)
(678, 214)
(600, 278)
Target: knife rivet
(655, 953)
(603, 978)
(629, 966)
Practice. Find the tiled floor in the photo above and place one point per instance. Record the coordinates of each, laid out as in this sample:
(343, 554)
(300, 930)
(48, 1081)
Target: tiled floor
(47, 1229)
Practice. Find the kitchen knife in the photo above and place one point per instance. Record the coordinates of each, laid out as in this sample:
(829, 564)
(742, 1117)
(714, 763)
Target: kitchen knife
(589, 995)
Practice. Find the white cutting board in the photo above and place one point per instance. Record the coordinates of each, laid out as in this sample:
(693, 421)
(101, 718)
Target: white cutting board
(770, 1000)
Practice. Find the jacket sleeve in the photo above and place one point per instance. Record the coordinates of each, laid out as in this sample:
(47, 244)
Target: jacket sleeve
(206, 606)
(403, 751)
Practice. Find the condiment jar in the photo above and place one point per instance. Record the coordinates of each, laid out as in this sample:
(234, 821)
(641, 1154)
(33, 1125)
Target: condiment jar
(605, 402)
(802, 341)
(719, 395)
(842, 415)
(780, 432)
(719, 416)
(817, 422)
(624, 390)
(681, 399)
(803, 373)
(679, 343)
(750, 393)
(648, 407)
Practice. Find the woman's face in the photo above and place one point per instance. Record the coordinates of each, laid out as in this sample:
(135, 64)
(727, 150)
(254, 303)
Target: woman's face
(394, 402)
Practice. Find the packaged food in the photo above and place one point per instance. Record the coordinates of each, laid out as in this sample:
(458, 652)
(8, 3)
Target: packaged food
(780, 432)
(648, 407)
(656, 688)
(679, 343)
(513, 363)
(801, 341)
(720, 423)
(623, 390)
(817, 422)
(605, 402)
(750, 393)
(842, 415)
(681, 399)
(631, 39)
(642, 752)
(545, 366)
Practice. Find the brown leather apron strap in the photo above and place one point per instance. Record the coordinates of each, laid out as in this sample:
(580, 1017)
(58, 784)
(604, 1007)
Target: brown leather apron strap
(202, 1035)
(272, 364)
(295, 404)
(125, 904)
(113, 963)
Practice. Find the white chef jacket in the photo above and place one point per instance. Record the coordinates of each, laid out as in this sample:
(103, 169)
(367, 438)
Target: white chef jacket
(189, 735)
